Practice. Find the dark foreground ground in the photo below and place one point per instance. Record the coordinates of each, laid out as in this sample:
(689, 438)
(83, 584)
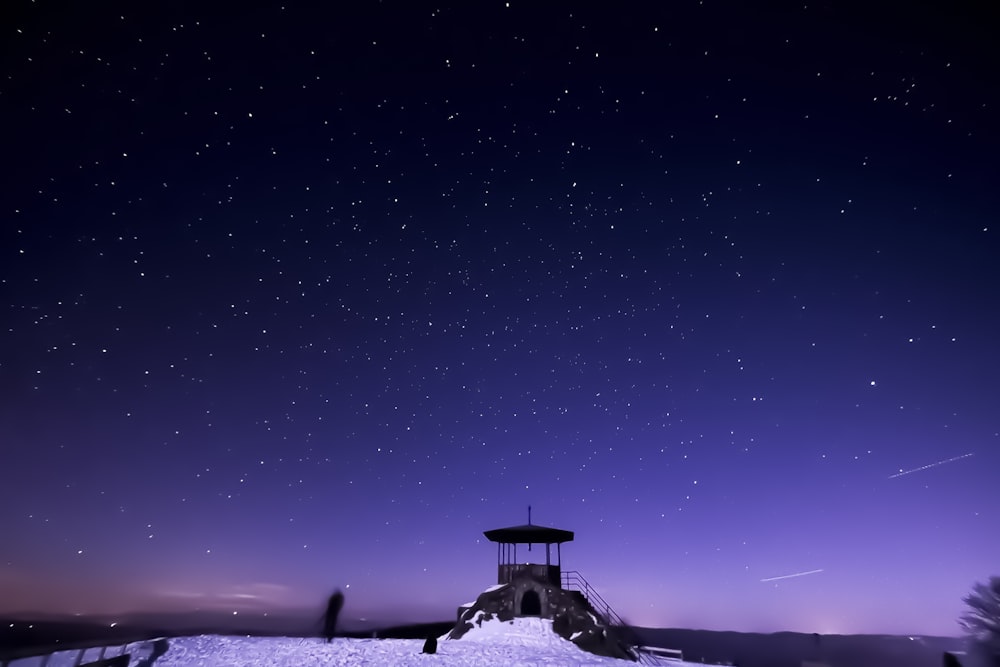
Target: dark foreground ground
(783, 649)
(790, 649)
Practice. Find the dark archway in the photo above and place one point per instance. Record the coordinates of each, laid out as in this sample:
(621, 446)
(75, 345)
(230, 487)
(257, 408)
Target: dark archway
(531, 605)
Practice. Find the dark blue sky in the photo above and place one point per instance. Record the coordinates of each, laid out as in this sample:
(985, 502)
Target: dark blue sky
(301, 298)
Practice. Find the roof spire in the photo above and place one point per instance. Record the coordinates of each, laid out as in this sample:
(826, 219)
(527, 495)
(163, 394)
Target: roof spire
(529, 515)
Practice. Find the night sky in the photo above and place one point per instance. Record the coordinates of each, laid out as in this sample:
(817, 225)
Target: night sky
(301, 298)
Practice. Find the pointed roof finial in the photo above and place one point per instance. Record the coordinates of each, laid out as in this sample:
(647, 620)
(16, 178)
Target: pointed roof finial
(529, 515)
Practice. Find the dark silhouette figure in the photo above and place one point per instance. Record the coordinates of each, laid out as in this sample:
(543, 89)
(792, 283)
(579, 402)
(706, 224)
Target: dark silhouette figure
(431, 645)
(332, 611)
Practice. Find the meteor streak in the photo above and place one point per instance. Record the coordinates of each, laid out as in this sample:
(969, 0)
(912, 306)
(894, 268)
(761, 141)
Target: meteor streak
(789, 576)
(931, 465)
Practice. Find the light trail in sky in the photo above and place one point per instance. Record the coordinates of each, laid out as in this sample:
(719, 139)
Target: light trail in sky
(791, 576)
(931, 465)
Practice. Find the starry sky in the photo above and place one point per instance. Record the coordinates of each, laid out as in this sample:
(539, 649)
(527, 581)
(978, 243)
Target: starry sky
(307, 296)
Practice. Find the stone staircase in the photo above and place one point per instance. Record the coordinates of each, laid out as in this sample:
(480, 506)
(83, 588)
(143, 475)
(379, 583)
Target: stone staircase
(575, 582)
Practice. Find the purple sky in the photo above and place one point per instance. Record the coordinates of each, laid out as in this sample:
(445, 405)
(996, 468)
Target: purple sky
(297, 299)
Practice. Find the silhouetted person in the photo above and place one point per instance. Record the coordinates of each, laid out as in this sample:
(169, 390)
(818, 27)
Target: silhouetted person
(332, 611)
(431, 645)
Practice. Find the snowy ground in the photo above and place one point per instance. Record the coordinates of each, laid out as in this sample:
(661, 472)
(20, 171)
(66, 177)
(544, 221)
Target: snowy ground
(526, 641)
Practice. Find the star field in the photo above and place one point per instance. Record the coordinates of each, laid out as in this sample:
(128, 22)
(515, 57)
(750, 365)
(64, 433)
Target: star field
(297, 298)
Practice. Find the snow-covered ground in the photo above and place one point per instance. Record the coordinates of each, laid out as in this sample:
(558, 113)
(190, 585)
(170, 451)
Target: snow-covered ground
(525, 641)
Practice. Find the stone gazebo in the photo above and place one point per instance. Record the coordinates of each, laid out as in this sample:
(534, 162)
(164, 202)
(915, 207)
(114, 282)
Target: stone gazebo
(535, 590)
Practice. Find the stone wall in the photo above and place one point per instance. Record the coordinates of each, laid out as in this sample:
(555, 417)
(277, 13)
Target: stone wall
(572, 616)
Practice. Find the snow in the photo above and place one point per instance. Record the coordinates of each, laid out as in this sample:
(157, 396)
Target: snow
(523, 641)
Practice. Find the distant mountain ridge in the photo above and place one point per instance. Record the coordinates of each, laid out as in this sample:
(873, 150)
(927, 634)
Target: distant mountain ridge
(790, 649)
(21, 631)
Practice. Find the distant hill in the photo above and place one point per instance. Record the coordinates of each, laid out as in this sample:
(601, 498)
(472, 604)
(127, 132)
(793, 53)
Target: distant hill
(790, 649)
(414, 631)
(37, 631)
(53, 631)
(17, 633)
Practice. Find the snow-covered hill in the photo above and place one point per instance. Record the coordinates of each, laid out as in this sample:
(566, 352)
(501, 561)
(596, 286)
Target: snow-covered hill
(524, 641)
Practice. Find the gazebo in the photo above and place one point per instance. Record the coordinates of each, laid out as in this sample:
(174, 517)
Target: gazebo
(507, 540)
(536, 590)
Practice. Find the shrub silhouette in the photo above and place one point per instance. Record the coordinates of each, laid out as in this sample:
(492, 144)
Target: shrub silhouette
(981, 621)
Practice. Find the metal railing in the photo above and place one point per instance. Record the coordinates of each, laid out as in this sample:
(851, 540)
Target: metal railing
(108, 654)
(572, 580)
(44, 654)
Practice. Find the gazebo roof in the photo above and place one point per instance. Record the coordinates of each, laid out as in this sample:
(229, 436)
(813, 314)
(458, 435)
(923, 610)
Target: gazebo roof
(529, 534)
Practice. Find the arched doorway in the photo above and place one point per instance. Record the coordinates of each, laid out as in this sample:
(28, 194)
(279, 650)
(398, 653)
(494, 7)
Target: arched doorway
(531, 605)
